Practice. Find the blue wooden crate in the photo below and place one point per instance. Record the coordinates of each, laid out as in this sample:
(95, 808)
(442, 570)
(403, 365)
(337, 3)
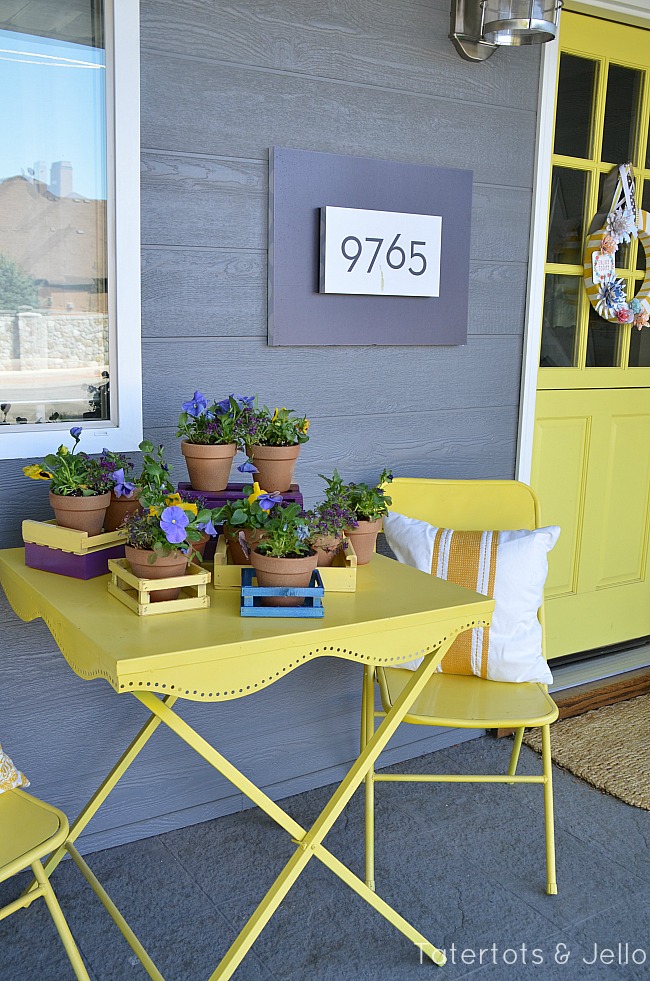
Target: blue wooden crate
(251, 597)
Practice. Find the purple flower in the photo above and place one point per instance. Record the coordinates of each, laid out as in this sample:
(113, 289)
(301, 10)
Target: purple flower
(75, 432)
(122, 488)
(223, 405)
(208, 528)
(266, 501)
(196, 406)
(247, 467)
(244, 400)
(174, 521)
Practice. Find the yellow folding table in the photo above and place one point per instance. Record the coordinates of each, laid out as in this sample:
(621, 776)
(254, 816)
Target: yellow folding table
(214, 655)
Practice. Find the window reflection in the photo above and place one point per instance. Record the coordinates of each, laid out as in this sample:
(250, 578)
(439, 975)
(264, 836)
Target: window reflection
(561, 297)
(574, 103)
(566, 222)
(602, 342)
(54, 335)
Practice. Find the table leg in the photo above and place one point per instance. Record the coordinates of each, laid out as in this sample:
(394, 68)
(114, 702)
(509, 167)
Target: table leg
(309, 843)
(111, 781)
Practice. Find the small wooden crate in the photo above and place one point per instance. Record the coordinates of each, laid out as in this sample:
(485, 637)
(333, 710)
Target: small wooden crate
(338, 578)
(69, 552)
(136, 593)
(252, 596)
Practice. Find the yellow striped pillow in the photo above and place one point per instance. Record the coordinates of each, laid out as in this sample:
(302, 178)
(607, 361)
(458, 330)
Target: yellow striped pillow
(10, 777)
(509, 567)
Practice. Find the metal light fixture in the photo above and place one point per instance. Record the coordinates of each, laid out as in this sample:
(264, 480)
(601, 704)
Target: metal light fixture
(479, 27)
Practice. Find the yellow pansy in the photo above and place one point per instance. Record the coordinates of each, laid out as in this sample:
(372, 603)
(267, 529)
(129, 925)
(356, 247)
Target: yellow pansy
(154, 512)
(36, 472)
(173, 500)
(257, 492)
(189, 506)
(305, 426)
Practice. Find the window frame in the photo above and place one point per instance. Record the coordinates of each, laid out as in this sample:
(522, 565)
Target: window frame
(122, 33)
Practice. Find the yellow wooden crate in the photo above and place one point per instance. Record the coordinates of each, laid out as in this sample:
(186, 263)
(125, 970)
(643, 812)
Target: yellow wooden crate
(136, 593)
(338, 578)
(69, 539)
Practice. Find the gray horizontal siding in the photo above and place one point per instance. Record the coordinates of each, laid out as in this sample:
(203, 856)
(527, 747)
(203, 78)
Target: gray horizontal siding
(221, 83)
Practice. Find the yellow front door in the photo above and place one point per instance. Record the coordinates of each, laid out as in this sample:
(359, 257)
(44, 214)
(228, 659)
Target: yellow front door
(591, 452)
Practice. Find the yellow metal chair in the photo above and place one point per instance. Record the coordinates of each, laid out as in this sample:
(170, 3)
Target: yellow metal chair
(466, 701)
(31, 830)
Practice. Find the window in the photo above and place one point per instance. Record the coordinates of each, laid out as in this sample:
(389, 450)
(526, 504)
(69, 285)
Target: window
(69, 225)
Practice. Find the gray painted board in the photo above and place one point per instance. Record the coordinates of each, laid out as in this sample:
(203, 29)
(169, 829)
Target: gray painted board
(395, 44)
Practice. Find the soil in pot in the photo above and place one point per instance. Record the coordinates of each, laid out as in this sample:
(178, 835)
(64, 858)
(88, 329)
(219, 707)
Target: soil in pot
(272, 571)
(208, 466)
(276, 465)
(82, 513)
(364, 539)
(119, 508)
(164, 567)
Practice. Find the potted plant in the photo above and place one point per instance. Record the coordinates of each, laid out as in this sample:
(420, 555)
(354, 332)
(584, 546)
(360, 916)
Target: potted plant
(369, 504)
(162, 535)
(272, 442)
(284, 556)
(79, 488)
(329, 520)
(244, 521)
(211, 434)
(124, 493)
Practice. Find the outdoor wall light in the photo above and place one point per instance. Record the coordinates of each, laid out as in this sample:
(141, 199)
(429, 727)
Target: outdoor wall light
(479, 27)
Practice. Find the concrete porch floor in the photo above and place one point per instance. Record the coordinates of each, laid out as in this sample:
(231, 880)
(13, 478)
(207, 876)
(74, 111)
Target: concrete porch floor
(464, 863)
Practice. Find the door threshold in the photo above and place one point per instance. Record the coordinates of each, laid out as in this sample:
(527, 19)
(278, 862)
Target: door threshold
(598, 667)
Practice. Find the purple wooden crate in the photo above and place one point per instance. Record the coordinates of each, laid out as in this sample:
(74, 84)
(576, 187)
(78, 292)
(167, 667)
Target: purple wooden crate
(215, 499)
(86, 566)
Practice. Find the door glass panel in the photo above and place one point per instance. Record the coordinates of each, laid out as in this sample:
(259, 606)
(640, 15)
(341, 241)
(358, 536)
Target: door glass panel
(560, 316)
(567, 216)
(640, 348)
(641, 258)
(602, 342)
(574, 103)
(622, 256)
(621, 108)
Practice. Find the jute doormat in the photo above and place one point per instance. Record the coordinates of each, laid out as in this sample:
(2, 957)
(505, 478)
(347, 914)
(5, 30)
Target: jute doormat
(608, 747)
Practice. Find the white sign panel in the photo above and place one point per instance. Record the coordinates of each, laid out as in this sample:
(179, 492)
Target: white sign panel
(379, 253)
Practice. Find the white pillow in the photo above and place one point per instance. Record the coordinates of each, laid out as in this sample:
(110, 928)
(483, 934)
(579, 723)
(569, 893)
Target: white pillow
(509, 566)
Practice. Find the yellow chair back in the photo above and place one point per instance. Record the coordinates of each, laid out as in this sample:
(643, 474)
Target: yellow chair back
(466, 505)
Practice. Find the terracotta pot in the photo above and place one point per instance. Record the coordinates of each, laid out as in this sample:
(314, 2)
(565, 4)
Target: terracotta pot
(251, 535)
(164, 567)
(327, 547)
(276, 465)
(364, 539)
(208, 466)
(271, 571)
(202, 542)
(81, 513)
(119, 508)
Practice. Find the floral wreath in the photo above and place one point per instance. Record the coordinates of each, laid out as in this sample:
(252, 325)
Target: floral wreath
(622, 222)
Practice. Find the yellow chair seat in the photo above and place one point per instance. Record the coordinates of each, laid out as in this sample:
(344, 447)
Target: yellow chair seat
(471, 702)
(36, 829)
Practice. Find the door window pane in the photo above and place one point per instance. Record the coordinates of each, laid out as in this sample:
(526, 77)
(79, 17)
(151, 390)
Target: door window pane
(566, 221)
(622, 256)
(575, 99)
(561, 297)
(640, 348)
(54, 335)
(621, 108)
(602, 342)
(641, 258)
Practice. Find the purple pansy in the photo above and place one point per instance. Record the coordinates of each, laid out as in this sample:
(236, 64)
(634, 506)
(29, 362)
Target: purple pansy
(122, 488)
(75, 432)
(267, 501)
(208, 528)
(196, 406)
(247, 467)
(174, 521)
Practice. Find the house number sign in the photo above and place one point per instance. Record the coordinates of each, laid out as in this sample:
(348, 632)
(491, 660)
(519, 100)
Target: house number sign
(379, 253)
